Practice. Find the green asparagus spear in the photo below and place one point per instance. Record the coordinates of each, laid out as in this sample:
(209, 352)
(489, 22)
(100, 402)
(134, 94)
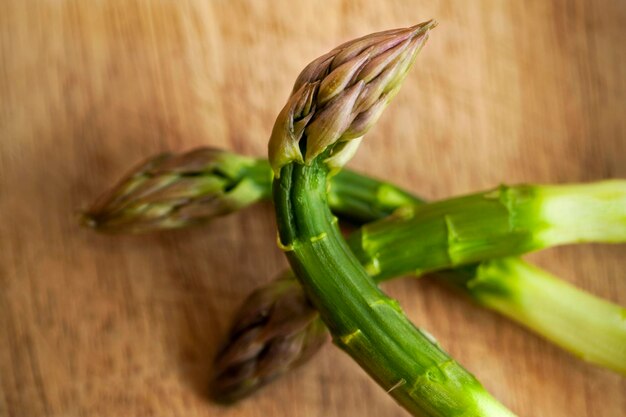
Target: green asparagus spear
(170, 191)
(510, 220)
(336, 99)
(587, 326)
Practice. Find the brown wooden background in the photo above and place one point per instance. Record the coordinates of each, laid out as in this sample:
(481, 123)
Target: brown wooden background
(90, 325)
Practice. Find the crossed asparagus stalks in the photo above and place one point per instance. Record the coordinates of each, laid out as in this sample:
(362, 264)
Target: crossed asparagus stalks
(277, 328)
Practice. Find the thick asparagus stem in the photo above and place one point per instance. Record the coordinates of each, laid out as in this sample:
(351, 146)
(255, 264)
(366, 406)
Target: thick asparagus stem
(363, 321)
(315, 132)
(585, 325)
(510, 220)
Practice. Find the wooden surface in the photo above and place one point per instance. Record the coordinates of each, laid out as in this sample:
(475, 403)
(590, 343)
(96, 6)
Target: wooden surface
(90, 325)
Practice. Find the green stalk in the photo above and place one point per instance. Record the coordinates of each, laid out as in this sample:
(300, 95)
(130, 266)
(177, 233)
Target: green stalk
(169, 191)
(364, 322)
(589, 327)
(510, 220)
(363, 199)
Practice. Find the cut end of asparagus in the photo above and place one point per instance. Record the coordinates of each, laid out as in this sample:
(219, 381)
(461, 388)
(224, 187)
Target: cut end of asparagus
(581, 323)
(338, 97)
(177, 190)
(577, 213)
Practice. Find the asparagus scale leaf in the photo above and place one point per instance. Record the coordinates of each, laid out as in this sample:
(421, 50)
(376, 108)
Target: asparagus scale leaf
(320, 122)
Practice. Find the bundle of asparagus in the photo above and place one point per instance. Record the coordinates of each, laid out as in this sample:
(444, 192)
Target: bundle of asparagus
(335, 100)
(274, 314)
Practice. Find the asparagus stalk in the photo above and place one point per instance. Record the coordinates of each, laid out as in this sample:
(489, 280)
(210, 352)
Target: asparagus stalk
(510, 220)
(169, 191)
(587, 326)
(336, 99)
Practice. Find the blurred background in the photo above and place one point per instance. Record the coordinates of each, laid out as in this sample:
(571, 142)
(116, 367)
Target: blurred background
(91, 325)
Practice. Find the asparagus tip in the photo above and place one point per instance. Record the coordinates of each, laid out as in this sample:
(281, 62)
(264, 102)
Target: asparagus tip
(339, 96)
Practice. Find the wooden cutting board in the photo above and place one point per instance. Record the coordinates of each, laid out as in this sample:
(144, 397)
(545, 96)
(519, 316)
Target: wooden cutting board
(91, 325)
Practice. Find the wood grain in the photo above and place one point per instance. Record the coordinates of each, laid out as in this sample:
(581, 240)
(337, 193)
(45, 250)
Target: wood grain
(91, 325)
